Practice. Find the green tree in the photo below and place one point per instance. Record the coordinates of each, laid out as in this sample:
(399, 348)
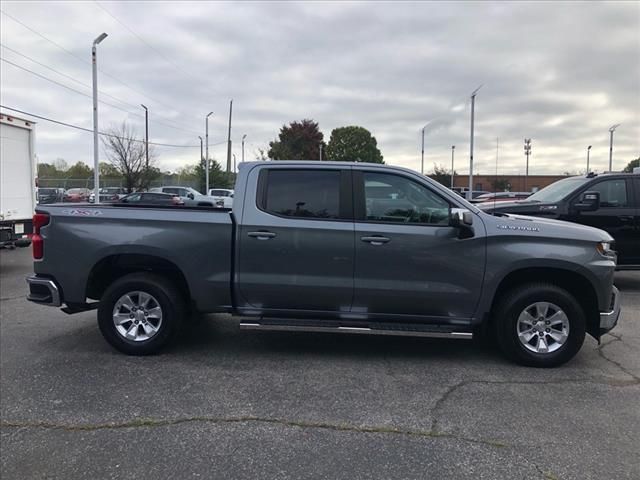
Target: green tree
(107, 170)
(442, 175)
(297, 141)
(631, 165)
(353, 144)
(218, 178)
(79, 170)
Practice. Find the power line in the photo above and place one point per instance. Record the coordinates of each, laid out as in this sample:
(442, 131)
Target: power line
(77, 127)
(136, 114)
(85, 61)
(178, 68)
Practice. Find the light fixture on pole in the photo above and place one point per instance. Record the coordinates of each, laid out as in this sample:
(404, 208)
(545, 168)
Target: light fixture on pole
(611, 130)
(146, 135)
(206, 160)
(243, 137)
(453, 147)
(527, 152)
(96, 162)
(588, 151)
(473, 106)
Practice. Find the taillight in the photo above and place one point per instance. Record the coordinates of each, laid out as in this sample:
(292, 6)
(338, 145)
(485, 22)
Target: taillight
(39, 221)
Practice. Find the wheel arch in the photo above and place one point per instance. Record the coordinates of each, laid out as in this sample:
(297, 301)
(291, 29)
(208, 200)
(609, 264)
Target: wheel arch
(114, 266)
(578, 285)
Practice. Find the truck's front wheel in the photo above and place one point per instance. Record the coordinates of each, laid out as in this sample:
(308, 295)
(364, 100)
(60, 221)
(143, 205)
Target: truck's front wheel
(539, 325)
(139, 313)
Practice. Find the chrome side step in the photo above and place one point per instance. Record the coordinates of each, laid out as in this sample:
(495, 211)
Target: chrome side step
(360, 330)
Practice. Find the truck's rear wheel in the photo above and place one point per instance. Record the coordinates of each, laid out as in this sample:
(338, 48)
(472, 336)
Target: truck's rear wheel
(539, 325)
(139, 313)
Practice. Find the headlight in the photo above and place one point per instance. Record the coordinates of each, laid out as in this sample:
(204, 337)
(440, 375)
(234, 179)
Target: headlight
(604, 248)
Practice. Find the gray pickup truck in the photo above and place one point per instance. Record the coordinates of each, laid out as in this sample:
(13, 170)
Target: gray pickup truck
(330, 247)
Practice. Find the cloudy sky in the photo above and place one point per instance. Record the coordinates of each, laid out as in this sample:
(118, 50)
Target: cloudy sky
(559, 73)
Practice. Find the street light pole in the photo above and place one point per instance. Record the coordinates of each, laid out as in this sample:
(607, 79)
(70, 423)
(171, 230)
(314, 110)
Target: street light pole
(320, 151)
(146, 134)
(229, 138)
(234, 163)
(201, 157)
(473, 105)
(527, 152)
(453, 147)
(422, 161)
(96, 162)
(243, 137)
(206, 160)
(611, 130)
(588, 151)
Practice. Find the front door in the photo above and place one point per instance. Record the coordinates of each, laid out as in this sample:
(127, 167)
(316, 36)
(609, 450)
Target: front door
(296, 241)
(616, 216)
(409, 261)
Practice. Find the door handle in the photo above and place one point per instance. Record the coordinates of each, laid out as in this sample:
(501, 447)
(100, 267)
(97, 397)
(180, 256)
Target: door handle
(375, 240)
(262, 235)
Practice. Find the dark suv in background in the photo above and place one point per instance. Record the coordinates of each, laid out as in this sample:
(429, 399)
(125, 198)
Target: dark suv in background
(609, 201)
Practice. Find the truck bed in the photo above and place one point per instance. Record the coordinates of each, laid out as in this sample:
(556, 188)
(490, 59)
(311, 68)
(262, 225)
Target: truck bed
(81, 239)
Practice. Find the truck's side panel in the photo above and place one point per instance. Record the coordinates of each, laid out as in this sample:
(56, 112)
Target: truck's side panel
(198, 243)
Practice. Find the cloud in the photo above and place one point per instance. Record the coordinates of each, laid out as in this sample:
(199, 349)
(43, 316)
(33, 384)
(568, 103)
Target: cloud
(560, 73)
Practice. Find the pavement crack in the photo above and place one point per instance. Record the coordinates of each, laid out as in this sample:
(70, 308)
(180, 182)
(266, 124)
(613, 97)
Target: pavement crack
(4, 299)
(339, 427)
(636, 378)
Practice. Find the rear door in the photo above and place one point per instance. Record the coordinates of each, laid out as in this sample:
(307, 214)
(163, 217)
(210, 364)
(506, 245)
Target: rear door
(409, 261)
(295, 240)
(616, 215)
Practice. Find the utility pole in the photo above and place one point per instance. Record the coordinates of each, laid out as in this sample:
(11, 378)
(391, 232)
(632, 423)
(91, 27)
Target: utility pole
(206, 160)
(611, 130)
(96, 161)
(229, 138)
(243, 137)
(588, 151)
(473, 105)
(320, 151)
(146, 135)
(453, 148)
(527, 152)
(234, 163)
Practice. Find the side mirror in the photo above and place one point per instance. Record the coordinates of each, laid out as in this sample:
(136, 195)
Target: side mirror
(589, 202)
(462, 219)
(190, 195)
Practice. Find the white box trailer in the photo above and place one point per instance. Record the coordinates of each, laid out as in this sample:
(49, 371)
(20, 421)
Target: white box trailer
(17, 180)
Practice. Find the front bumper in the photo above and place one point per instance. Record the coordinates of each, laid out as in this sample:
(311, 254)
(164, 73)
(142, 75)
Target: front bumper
(608, 320)
(44, 291)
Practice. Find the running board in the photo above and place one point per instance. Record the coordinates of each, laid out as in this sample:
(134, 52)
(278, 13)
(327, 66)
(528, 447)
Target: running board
(410, 332)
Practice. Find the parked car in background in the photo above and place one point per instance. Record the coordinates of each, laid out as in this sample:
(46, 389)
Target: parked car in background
(500, 197)
(49, 195)
(77, 195)
(608, 201)
(108, 194)
(151, 198)
(188, 195)
(223, 197)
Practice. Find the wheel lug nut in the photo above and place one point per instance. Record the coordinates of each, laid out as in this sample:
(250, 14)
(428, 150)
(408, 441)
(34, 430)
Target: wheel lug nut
(548, 330)
(131, 315)
(547, 322)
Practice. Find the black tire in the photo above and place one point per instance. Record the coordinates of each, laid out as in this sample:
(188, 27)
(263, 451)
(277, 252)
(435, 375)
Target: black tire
(169, 299)
(515, 302)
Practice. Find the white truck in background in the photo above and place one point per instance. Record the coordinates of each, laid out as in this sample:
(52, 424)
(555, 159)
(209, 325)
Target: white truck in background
(17, 180)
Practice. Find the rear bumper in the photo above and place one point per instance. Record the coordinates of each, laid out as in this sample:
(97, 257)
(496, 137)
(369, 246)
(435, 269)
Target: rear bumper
(609, 319)
(44, 291)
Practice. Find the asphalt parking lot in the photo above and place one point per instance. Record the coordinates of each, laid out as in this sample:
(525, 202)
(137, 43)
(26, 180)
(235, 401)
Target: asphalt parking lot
(228, 404)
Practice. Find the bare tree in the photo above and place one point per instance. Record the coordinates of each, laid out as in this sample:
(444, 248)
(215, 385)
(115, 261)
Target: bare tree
(126, 153)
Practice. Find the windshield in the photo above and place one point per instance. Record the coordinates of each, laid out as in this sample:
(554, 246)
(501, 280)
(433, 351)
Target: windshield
(558, 190)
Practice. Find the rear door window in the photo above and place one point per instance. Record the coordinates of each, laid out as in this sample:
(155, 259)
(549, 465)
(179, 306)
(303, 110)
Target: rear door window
(613, 193)
(303, 193)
